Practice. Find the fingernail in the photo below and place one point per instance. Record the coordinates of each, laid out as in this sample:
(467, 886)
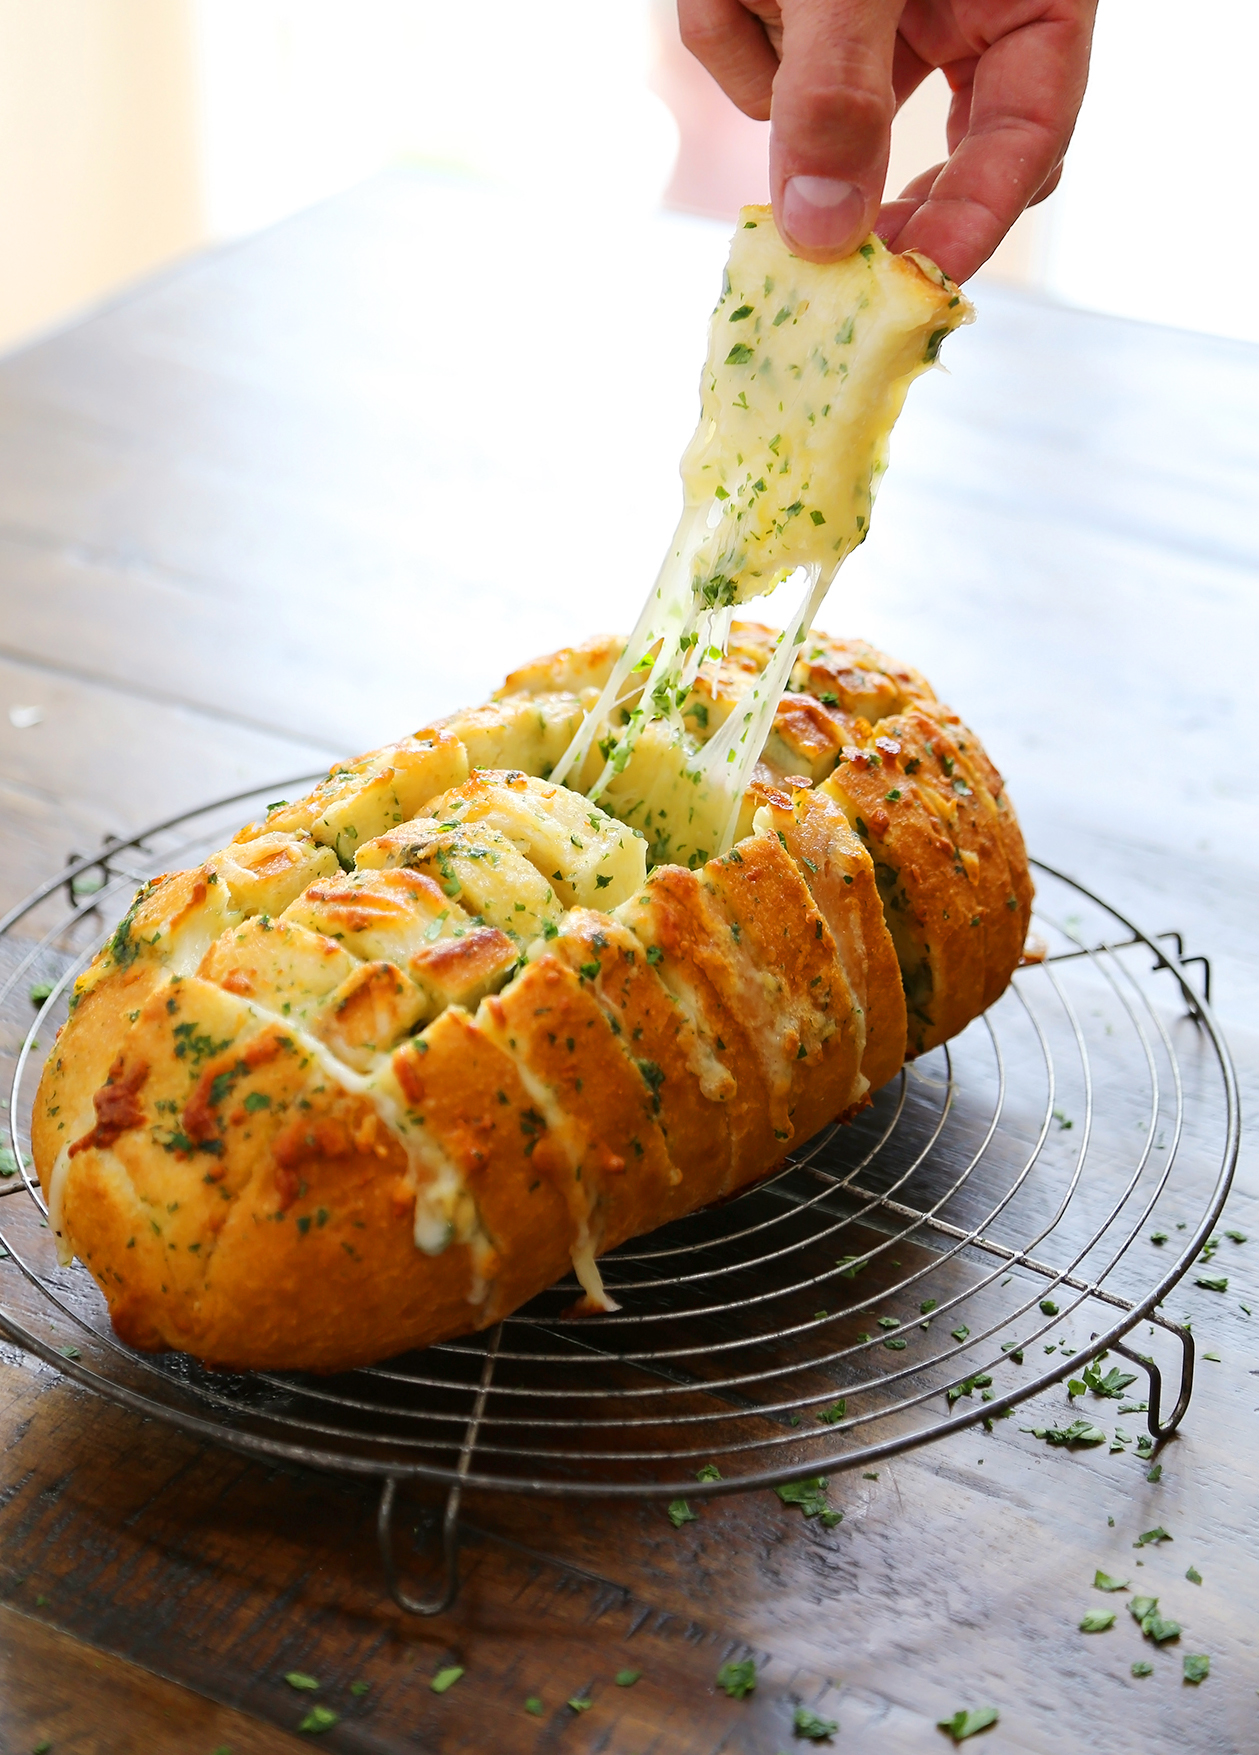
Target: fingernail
(823, 213)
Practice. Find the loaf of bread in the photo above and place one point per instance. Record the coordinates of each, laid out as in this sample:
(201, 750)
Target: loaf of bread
(404, 1053)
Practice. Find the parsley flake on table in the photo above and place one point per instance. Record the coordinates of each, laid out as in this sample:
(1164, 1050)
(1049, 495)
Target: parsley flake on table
(680, 1513)
(738, 1680)
(810, 1496)
(927, 1306)
(980, 1380)
(627, 1678)
(807, 1723)
(1078, 1432)
(889, 1322)
(709, 1472)
(579, 1703)
(965, 1723)
(1103, 1581)
(1193, 1575)
(1157, 1534)
(1197, 1666)
(1212, 1282)
(299, 1679)
(1236, 1236)
(319, 1718)
(829, 1416)
(960, 1333)
(1155, 1475)
(1144, 1611)
(1097, 1620)
(1158, 1236)
(1214, 1358)
(1049, 1307)
(534, 1705)
(358, 1689)
(1113, 1384)
(1143, 1667)
(446, 1678)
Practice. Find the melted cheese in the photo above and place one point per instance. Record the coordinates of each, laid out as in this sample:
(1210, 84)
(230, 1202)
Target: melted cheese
(808, 366)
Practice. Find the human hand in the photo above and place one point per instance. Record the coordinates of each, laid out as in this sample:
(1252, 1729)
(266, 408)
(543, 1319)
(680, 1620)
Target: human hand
(830, 75)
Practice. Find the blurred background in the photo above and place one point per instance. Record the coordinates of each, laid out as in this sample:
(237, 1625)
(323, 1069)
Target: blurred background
(133, 132)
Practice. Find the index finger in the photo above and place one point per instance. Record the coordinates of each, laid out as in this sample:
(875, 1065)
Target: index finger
(1027, 91)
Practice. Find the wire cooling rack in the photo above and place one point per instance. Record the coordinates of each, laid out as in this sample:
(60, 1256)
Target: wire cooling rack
(978, 1234)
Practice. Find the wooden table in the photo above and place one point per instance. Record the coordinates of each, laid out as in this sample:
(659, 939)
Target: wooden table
(304, 493)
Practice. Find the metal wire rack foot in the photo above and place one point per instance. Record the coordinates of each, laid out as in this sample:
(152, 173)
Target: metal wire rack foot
(985, 1230)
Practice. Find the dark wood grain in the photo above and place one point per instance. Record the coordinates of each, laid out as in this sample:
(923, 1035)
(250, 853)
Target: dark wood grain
(56, 1694)
(257, 514)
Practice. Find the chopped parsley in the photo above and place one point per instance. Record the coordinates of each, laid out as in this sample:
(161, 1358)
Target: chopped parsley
(1049, 1307)
(709, 1472)
(1143, 1667)
(1078, 1432)
(300, 1680)
(830, 1416)
(1197, 1666)
(319, 1718)
(680, 1513)
(1113, 1384)
(807, 1723)
(1212, 1282)
(966, 1721)
(579, 1703)
(810, 1496)
(446, 1678)
(627, 1678)
(1193, 1575)
(1156, 1535)
(739, 354)
(738, 1680)
(1144, 1611)
(1103, 1581)
(1097, 1620)
(738, 315)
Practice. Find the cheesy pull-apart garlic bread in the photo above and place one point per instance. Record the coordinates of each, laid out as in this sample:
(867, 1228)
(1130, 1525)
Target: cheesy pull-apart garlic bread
(541, 977)
(398, 1057)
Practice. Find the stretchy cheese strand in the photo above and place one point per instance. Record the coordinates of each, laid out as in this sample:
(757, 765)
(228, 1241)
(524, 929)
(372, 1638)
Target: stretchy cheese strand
(807, 370)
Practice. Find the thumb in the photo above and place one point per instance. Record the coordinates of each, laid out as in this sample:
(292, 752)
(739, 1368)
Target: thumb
(831, 122)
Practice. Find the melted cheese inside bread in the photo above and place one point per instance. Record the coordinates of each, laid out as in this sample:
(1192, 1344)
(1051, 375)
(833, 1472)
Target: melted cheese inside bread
(808, 366)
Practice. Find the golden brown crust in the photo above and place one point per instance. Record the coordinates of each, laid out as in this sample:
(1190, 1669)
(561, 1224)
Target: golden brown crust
(277, 1132)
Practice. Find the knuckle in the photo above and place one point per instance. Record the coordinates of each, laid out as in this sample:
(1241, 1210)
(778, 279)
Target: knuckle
(822, 106)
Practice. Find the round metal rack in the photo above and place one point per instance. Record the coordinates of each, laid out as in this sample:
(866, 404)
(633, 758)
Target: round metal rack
(980, 1233)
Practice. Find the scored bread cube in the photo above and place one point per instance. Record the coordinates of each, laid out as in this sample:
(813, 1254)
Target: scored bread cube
(379, 914)
(462, 969)
(277, 964)
(490, 877)
(264, 875)
(522, 731)
(362, 799)
(591, 859)
(372, 1010)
